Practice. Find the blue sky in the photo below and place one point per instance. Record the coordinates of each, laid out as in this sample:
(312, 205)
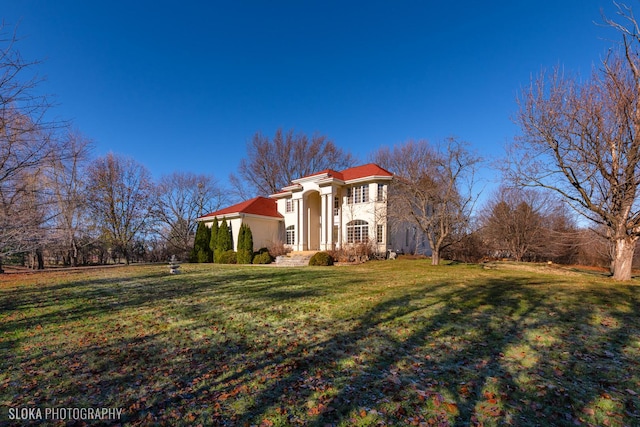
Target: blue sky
(182, 86)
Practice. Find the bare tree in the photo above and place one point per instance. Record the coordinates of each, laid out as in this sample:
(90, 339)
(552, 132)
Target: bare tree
(120, 199)
(24, 143)
(563, 234)
(513, 224)
(593, 248)
(525, 224)
(181, 198)
(432, 189)
(581, 139)
(272, 163)
(22, 214)
(65, 179)
(25, 148)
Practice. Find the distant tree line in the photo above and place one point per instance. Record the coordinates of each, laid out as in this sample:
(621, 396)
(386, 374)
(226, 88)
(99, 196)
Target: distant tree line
(530, 226)
(74, 210)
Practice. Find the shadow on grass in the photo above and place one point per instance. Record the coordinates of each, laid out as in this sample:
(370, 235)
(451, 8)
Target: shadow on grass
(35, 306)
(507, 351)
(325, 347)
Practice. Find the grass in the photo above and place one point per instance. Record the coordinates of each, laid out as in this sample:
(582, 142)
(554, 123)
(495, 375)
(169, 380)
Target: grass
(384, 343)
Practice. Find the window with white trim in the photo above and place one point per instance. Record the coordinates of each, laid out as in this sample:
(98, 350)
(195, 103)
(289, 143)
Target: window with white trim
(380, 193)
(359, 194)
(357, 231)
(291, 235)
(336, 206)
(380, 233)
(288, 205)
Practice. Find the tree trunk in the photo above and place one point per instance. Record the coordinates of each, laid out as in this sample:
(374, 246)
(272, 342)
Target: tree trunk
(623, 258)
(74, 253)
(435, 257)
(39, 259)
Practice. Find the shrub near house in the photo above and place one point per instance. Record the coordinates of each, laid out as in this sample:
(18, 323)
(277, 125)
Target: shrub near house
(224, 242)
(321, 258)
(262, 257)
(245, 245)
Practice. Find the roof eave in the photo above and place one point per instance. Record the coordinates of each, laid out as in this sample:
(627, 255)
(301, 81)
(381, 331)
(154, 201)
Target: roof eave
(273, 217)
(369, 178)
(331, 180)
(316, 177)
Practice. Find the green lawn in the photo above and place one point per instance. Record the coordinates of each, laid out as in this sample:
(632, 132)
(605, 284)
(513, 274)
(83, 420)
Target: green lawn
(383, 343)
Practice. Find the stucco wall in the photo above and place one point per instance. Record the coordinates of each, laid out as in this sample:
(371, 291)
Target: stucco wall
(263, 230)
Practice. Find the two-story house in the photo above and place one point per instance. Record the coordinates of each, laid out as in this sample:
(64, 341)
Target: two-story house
(323, 211)
(332, 208)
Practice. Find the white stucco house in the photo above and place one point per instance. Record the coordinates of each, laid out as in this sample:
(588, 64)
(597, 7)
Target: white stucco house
(323, 211)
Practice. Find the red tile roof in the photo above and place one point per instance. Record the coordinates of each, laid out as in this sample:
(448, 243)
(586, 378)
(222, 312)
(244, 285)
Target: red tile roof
(256, 206)
(330, 172)
(357, 172)
(370, 169)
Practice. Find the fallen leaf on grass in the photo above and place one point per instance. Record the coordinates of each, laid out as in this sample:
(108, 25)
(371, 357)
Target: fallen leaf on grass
(317, 409)
(451, 408)
(400, 412)
(489, 395)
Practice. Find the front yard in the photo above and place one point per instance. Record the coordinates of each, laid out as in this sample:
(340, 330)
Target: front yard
(383, 343)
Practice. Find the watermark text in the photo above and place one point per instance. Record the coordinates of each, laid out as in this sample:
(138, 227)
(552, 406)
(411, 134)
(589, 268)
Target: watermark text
(64, 414)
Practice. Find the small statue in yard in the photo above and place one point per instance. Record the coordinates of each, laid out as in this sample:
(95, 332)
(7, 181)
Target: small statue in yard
(174, 266)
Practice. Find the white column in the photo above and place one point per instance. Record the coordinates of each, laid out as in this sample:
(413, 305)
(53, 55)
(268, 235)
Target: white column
(330, 198)
(323, 222)
(298, 234)
(340, 221)
(302, 214)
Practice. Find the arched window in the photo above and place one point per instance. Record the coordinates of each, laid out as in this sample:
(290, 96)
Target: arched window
(357, 231)
(291, 235)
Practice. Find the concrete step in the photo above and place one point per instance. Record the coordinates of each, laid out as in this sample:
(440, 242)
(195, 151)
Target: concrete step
(294, 259)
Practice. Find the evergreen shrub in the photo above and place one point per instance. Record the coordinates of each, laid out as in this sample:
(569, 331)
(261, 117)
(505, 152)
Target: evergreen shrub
(214, 237)
(224, 241)
(321, 258)
(245, 245)
(227, 257)
(201, 248)
(262, 258)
